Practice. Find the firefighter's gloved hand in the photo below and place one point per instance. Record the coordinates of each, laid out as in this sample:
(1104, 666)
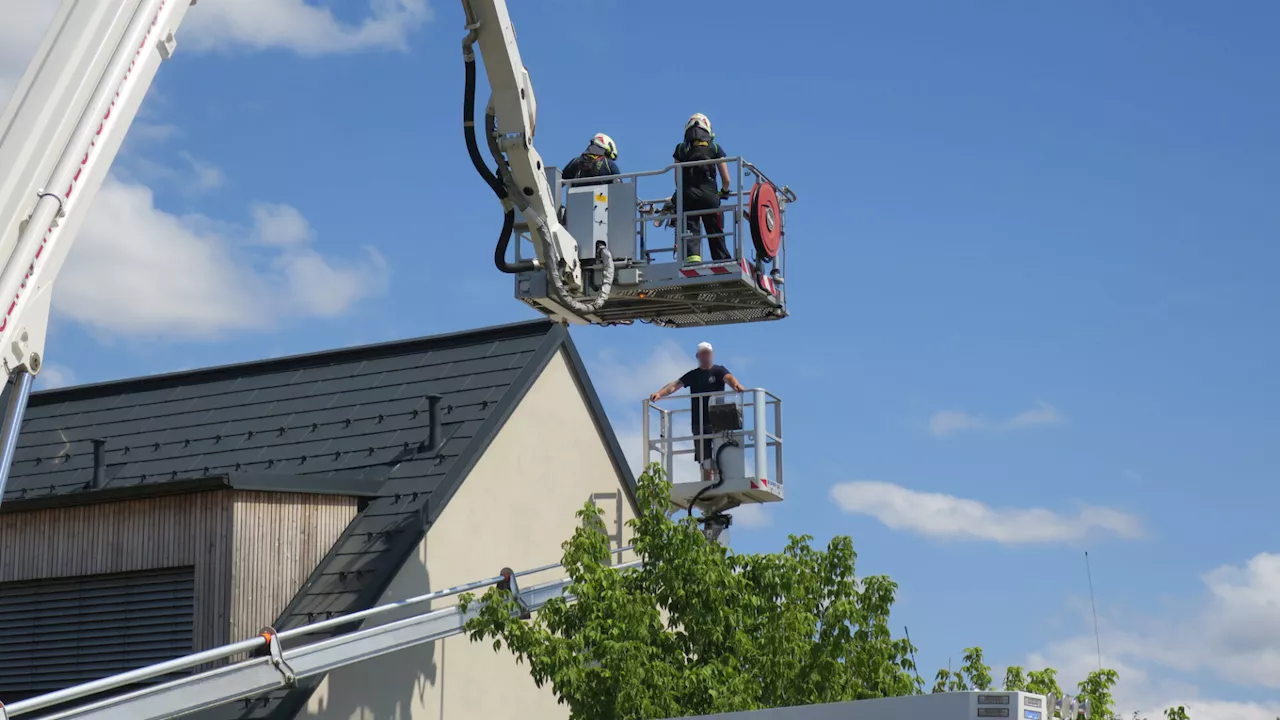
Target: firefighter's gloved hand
(667, 209)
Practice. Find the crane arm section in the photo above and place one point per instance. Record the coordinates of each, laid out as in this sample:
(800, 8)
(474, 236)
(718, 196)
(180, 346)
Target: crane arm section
(58, 136)
(514, 108)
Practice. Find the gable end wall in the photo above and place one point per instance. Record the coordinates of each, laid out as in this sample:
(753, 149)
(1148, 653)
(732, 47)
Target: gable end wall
(514, 509)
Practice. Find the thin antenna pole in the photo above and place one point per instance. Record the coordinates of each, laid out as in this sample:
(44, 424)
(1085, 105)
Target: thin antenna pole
(919, 679)
(1097, 637)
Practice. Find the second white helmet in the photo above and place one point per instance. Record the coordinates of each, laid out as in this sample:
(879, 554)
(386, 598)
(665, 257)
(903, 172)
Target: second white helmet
(605, 143)
(698, 120)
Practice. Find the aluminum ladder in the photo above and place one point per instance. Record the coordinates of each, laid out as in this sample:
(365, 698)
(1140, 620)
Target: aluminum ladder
(280, 667)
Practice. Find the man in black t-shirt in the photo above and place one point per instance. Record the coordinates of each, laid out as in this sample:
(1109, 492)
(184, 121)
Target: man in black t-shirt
(706, 378)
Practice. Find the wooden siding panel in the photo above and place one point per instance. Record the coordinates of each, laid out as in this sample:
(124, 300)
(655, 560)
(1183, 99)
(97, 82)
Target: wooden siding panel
(252, 550)
(278, 540)
(126, 536)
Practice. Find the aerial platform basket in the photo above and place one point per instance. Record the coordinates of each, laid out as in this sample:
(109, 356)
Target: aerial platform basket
(744, 432)
(654, 282)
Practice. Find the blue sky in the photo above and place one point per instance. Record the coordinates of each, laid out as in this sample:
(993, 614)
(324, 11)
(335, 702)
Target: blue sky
(1030, 275)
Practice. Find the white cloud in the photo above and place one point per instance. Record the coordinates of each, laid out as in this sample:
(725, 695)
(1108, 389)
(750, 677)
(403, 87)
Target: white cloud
(141, 131)
(207, 176)
(303, 27)
(1243, 622)
(280, 225)
(193, 277)
(948, 422)
(953, 518)
(306, 28)
(193, 177)
(54, 376)
(1233, 634)
(1042, 414)
(751, 517)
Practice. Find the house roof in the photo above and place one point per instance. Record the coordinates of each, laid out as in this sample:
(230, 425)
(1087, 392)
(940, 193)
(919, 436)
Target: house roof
(347, 421)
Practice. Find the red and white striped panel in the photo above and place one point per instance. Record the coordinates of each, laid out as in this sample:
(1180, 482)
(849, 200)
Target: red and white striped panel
(707, 270)
(764, 281)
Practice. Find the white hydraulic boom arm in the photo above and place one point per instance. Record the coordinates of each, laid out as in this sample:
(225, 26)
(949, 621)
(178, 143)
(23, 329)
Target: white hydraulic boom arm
(69, 115)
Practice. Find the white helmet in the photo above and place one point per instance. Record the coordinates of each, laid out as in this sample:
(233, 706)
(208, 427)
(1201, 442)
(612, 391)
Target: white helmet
(606, 144)
(698, 120)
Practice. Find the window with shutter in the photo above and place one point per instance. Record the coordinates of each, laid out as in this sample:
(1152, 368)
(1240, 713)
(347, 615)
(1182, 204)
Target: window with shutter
(61, 632)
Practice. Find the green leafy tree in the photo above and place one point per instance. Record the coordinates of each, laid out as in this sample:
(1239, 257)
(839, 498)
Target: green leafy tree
(977, 673)
(700, 630)
(947, 681)
(974, 674)
(1043, 682)
(1096, 688)
(1015, 678)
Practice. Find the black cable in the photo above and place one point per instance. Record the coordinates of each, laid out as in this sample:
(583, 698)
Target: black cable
(469, 130)
(499, 188)
(729, 442)
(504, 241)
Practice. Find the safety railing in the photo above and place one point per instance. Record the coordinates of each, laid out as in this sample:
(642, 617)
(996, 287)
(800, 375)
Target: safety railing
(665, 440)
(655, 213)
(270, 641)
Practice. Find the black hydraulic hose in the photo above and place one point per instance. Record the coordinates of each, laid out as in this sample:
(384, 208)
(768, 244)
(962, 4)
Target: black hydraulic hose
(508, 223)
(469, 129)
(473, 150)
(504, 241)
(719, 474)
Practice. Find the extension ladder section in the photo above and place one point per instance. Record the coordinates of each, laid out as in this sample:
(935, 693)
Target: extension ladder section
(655, 282)
(282, 666)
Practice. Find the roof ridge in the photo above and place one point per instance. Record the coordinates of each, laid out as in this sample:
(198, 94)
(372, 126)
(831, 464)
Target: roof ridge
(428, 342)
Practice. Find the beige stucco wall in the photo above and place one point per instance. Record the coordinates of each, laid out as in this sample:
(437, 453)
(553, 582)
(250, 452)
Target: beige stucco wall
(515, 509)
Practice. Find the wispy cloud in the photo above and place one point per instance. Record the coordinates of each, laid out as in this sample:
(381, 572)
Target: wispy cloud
(1232, 633)
(206, 175)
(949, 517)
(303, 27)
(945, 423)
(751, 517)
(54, 376)
(1042, 414)
(948, 422)
(306, 28)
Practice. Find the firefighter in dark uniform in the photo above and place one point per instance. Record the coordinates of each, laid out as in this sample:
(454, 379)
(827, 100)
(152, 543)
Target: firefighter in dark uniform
(599, 160)
(699, 188)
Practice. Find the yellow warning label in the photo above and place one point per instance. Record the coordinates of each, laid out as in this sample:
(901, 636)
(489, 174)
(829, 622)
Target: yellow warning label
(600, 197)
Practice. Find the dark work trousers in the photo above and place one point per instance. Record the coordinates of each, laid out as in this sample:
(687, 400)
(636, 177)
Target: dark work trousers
(701, 425)
(699, 199)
